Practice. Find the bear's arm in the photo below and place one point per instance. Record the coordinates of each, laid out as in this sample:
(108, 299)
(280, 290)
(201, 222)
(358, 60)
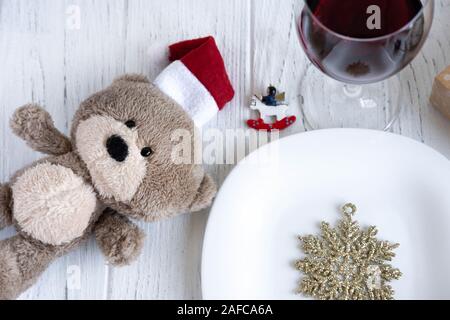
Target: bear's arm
(205, 194)
(35, 125)
(119, 239)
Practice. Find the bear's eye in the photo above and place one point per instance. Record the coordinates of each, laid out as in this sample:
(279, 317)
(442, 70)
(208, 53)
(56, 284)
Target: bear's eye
(130, 124)
(146, 152)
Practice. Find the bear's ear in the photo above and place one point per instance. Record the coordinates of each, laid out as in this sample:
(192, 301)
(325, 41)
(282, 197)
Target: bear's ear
(131, 78)
(205, 194)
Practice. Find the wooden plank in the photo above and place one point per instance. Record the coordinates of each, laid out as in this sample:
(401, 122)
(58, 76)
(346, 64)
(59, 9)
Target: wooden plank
(46, 58)
(419, 120)
(31, 73)
(170, 266)
(277, 57)
(433, 59)
(94, 54)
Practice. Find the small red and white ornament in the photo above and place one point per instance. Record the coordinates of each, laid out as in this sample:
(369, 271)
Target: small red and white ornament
(272, 105)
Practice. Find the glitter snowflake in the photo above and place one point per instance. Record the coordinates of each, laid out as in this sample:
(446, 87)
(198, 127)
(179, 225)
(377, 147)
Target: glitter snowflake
(347, 263)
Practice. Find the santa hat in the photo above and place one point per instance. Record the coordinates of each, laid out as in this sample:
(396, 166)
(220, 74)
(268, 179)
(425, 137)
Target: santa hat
(197, 79)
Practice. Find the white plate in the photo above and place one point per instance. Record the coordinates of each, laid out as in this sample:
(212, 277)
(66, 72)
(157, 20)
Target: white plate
(399, 185)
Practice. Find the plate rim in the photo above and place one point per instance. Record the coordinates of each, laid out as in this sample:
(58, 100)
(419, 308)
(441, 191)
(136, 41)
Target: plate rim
(392, 135)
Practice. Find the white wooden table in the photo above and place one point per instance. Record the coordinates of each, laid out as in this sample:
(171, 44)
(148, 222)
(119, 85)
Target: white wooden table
(48, 58)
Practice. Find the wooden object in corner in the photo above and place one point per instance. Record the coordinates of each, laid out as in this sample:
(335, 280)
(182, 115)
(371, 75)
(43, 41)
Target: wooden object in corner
(440, 96)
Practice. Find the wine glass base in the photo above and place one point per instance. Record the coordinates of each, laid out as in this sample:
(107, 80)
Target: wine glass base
(328, 103)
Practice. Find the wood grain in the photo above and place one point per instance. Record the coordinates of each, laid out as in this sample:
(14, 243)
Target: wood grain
(46, 59)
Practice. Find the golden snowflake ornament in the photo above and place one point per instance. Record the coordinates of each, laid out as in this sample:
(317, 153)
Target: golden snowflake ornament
(347, 263)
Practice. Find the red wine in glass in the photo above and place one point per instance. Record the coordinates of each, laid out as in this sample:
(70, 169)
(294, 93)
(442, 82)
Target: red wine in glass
(337, 38)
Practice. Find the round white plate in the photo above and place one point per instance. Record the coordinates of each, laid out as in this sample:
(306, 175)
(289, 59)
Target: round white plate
(287, 188)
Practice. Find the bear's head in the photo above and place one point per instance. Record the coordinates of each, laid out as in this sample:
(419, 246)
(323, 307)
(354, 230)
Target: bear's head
(123, 135)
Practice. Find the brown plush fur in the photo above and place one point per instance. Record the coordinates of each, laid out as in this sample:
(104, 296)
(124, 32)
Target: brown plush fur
(33, 124)
(118, 238)
(166, 189)
(21, 262)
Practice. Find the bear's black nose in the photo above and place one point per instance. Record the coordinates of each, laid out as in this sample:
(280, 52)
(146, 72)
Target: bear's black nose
(117, 148)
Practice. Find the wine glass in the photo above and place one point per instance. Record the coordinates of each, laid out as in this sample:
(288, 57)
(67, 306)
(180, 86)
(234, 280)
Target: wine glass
(360, 45)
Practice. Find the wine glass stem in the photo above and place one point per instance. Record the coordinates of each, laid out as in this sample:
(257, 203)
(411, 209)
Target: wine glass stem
(352, 90)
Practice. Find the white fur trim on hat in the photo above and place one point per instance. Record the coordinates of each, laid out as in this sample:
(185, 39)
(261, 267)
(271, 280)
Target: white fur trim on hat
(181, 85)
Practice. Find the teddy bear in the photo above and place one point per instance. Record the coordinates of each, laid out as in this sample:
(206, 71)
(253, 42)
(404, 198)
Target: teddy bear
(116, 167)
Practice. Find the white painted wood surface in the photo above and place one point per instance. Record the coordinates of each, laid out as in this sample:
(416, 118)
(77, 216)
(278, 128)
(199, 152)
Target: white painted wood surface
(46, 58)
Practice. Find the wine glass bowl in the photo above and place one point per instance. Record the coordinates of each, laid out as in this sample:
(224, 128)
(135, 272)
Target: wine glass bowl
(359, 43)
